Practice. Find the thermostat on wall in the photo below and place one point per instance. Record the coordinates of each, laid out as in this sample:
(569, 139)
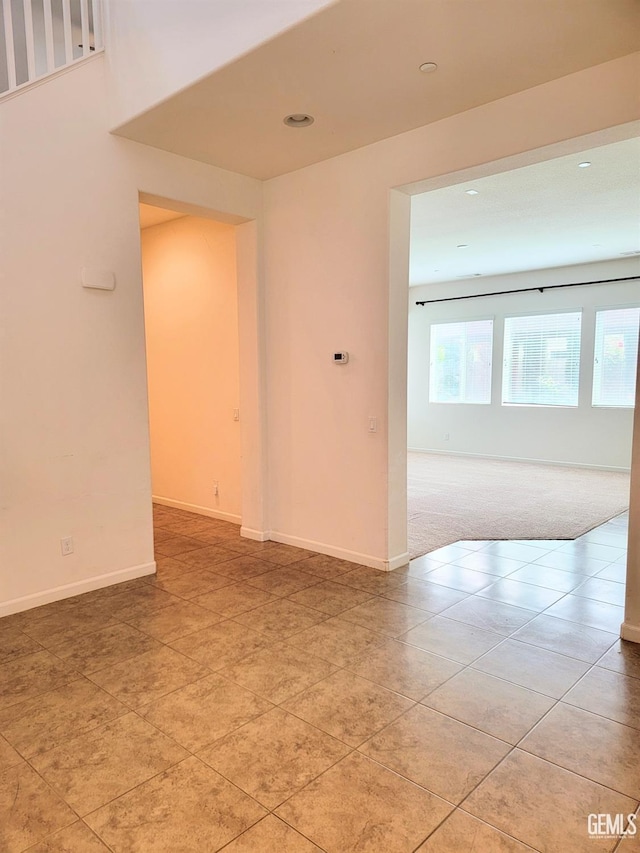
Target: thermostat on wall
(340, 357)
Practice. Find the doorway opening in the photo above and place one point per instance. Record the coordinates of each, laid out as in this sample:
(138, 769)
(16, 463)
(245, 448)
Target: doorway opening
(572, 579)
(191, 331)
(520, 408)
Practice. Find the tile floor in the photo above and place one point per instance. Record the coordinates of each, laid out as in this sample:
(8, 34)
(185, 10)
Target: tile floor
(256, 698)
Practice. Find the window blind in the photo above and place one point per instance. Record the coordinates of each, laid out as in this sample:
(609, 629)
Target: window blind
(460, 362)
(616, 357)
(542, 360)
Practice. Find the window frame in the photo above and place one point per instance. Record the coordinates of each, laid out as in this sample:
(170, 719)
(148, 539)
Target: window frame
(577, 310)
(600, 310)
(487, 318)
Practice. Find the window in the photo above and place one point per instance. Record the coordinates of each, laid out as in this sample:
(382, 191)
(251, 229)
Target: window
(541, 360)
(460, 368)
(616, 357)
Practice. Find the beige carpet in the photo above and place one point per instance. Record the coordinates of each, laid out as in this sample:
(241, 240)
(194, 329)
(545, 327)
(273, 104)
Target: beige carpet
(458, 497)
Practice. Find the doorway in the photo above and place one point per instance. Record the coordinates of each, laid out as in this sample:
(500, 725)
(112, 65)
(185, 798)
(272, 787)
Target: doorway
(190, 288)
(500, 268)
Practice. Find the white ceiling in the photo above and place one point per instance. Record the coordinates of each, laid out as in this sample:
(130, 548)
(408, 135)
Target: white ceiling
(332, 66)
(354, 67)
(547, 215)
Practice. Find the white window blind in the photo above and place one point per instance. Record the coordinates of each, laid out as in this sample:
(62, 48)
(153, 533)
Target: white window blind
(616, 357)
(542, 360)
(460, 363)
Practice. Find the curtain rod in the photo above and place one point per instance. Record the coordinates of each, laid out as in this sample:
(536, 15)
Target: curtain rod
(529, 289)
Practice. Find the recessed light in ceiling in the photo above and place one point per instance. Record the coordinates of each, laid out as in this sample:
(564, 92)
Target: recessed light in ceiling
(298, 120)
(477, 274)
(428, 67)
(471, 192)
(584, 165)
(462, 246)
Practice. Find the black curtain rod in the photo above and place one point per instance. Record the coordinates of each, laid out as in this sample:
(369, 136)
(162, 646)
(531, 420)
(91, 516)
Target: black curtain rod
(528, 289)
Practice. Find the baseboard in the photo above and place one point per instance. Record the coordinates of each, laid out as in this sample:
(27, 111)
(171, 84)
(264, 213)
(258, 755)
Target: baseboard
(256, 535)
(198, 510)
(398, 562)
(630, 632)
(521, 459)
(57, 593)
(341, 553)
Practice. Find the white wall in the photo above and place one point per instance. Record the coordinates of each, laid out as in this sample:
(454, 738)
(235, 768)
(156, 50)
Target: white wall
(73, 412)
(191, 323)
(155, 48)
(583, 435)
(334, 282)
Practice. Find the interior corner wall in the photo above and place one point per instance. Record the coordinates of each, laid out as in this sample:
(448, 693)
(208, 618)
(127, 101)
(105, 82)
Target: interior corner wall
(74, 439)
(327, 261)
(399, 255)
(585, 435)
(191, 324)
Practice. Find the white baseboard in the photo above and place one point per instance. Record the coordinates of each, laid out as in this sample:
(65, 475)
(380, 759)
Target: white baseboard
(57, 593)
(398, 562)
(198, 510)
(630, 632)
(341, 553)
(256, 535)
(521, 459)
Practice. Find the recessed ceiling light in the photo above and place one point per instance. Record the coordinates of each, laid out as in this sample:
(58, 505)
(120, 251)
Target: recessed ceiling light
(298, 120)
(584, 165)
(477, 274)
(462, 246)
(428, 67)
(597, 245)
(471, 192)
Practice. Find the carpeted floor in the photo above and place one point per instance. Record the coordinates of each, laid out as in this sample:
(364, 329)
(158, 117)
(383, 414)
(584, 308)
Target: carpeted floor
(459, 497)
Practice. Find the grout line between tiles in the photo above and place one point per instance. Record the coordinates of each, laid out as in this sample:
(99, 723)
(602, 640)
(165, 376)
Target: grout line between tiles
(345, 667)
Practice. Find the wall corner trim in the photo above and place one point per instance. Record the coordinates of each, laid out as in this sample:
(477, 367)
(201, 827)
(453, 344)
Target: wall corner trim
(57, 593)
(630, 632)
(398, 562)
(340, 553)
(256, 535)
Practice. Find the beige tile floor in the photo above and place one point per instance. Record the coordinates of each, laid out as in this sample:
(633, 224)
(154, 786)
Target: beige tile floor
(257, 698)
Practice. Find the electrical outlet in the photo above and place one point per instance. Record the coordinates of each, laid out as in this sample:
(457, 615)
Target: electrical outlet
(373, 424)
(215, 488)
(66, 546)
(446, 436)
(236, 414)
